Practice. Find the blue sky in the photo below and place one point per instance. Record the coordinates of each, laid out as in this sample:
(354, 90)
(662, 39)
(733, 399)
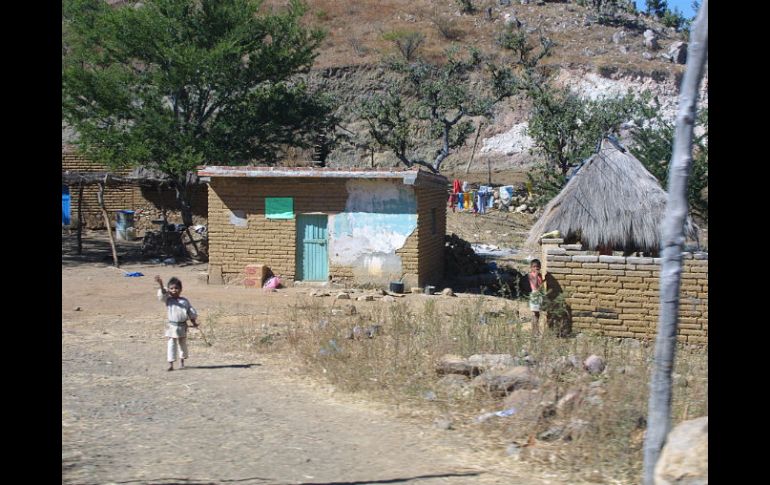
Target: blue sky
(684, 6)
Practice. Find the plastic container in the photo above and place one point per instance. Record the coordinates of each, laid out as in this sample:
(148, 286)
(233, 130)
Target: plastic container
(124, 226)
(125, 219)
(429, 289)
(396, 287)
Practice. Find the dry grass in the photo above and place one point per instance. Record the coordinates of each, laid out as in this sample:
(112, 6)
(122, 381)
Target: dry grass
(398, 367)
(355, 31)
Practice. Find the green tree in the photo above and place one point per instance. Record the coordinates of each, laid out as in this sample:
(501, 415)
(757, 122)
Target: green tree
(171, 84)
(432, 103)
(656, 7)
(654, 144)
(566, 130)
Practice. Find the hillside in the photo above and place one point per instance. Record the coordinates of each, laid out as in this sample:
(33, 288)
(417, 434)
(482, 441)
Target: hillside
(591, 58)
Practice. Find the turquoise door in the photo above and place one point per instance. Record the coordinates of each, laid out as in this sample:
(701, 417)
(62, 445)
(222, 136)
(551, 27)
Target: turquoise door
(312, 244)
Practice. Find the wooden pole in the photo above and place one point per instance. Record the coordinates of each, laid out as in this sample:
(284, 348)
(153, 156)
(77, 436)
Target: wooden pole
(672, 243)
(100, 198)
(80, 217)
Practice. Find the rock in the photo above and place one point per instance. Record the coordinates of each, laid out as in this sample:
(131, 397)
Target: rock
(647, 55)
(454, 385)
(365, 298)
(677, 52)
(454, 364)
(568, 402)
(525, 2)
(373, 331)
(513, 450)
(443, 423)
(76, 309)
(684, 458)
(521, 208)
(594, 364)
(551, 434)
(355, 333)
(561, 365)
(512, 21)
(350, 309)
(320, 294)
(447, 292)
(574, 429)
(503, 382)
(522, 399)
(388, 299)
(429, 396)
(342, 296)
(619, 36)
(651, 40)
(484, 362)
(623, 49)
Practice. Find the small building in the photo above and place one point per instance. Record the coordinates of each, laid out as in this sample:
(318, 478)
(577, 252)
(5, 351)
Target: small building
(611, 203)
(368, 227)
(149, 199)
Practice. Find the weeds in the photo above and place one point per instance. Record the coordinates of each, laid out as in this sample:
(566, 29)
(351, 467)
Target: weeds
(603, 427)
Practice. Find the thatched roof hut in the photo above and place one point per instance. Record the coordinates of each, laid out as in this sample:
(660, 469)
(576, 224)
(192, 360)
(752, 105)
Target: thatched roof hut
(612, 201)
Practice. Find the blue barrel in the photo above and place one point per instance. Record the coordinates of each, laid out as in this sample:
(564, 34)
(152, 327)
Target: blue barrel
(65, 205)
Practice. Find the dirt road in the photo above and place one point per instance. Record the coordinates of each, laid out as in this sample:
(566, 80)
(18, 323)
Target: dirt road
(228, 417)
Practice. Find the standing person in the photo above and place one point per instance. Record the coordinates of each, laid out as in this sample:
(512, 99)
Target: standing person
(179, 310)
(536, 295)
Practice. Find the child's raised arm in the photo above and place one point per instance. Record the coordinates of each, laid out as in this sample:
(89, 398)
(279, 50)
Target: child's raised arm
(160, 282)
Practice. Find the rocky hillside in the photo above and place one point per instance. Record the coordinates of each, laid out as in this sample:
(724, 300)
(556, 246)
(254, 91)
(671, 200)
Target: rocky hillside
(591, 57)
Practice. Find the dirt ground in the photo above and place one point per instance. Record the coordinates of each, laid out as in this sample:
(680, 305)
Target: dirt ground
(230, 416)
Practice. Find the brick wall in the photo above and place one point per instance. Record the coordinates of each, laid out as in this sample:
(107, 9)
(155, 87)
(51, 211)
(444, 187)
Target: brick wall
(273, 242)
(431, 226)
(618, 296)
(265, 241)
(127, 196)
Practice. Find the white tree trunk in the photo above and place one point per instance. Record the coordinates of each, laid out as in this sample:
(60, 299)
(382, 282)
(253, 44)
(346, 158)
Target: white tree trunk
(672, 244)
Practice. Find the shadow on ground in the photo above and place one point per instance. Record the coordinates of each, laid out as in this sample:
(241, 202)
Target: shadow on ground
(96, 249)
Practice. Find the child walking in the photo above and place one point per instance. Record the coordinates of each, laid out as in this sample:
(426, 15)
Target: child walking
(536, 295)
(179, 310)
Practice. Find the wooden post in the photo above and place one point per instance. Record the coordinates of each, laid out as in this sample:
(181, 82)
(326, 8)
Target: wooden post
(80, 217)
(100, 198)
(672, 243)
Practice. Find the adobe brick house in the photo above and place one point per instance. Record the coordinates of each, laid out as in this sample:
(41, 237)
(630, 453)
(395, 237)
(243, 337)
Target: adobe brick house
(320, 224)
(131, 196)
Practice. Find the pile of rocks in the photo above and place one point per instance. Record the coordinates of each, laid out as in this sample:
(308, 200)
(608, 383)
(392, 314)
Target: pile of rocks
(460, 258)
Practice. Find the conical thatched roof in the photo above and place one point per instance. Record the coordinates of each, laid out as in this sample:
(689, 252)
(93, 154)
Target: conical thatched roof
(612, 200)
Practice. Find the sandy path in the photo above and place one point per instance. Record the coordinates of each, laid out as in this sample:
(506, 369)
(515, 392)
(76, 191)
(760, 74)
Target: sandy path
(229, 418)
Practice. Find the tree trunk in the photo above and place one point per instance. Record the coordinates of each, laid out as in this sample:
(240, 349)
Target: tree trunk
(475, 142)
(672, 232)
(80, 218)
(183, 197)
(100, 198)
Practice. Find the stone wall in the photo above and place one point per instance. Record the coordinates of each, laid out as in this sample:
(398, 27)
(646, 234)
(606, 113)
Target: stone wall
(618, 296)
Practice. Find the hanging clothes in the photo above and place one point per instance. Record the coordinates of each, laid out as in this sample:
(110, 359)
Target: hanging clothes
(460, 205)
(456, 187)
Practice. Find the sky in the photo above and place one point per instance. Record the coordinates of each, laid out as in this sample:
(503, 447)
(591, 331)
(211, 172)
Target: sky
(684, 6)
